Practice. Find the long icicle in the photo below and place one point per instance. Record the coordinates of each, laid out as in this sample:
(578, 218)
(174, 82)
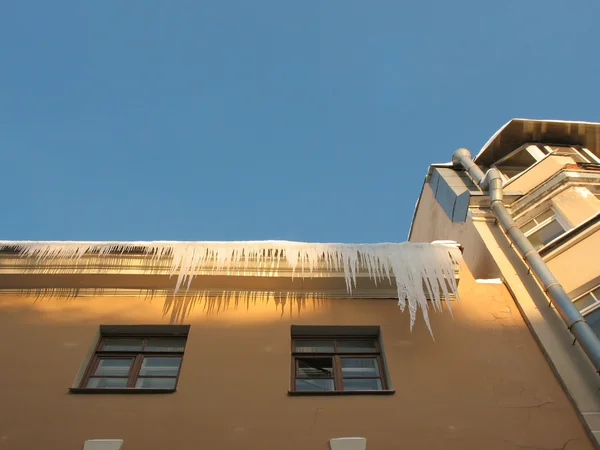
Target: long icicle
(420, 270)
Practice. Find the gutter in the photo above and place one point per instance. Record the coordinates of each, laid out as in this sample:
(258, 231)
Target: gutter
(577, 325)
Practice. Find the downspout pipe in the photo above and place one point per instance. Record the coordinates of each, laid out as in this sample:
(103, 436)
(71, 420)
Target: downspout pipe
(577, 325)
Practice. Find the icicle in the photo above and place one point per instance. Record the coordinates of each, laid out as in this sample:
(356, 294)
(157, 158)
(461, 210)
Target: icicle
(420, 270)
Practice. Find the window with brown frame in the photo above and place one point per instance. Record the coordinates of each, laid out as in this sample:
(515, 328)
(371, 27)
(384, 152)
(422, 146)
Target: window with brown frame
(337, 364)
(135, 362)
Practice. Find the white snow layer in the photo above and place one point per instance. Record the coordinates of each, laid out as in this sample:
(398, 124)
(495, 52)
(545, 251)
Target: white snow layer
(420, 270)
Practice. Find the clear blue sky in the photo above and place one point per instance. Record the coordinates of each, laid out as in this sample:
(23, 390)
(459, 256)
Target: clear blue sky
(239, 120)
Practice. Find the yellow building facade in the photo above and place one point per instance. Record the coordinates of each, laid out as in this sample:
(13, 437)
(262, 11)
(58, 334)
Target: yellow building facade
(550, 177)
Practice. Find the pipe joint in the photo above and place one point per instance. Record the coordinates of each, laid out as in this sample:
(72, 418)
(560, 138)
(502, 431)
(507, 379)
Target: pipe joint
(462, 158)
(461, 155)
(551, 285)
(510, 227)
(491, 180)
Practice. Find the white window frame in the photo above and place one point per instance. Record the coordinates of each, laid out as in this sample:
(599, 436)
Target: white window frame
(593, 307)
(555, 216)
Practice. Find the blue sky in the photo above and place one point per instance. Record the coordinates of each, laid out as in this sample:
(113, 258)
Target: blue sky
(243, 120)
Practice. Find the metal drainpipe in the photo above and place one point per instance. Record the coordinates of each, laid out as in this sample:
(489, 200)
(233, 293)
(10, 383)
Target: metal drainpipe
(579, 327)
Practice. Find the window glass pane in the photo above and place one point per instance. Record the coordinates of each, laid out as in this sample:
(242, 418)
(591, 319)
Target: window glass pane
(535, 241)
(315, 368)
(165, 344)
(157, 366)
(314, 385)
(362, 384)
(121, 344)
(155, 383)
(360, 367)
(537, 220)
(546, 234)
(114, 367)
(314, 346)
(510, 172)
(104, 383)
(516, 164)
(523, 158)
(358, 346)
(543, 216)
(593, 319)
(551, 231)
(528, 226)
(584, 302)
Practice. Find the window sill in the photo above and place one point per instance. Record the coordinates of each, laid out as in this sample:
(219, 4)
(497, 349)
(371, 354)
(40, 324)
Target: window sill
(119, 391)
(304, 393)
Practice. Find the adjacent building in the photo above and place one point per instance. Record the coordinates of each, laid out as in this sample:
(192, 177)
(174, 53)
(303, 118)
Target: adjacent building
(550, 176)
(279, 345)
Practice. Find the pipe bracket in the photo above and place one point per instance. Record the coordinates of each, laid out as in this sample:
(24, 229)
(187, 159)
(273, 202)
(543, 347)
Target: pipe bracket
(556, 283)
(575, 323)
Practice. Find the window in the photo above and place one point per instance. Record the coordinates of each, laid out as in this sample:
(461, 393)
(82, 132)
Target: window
(589, 306)
(131, 361)
(589, 300)
(520, 160)
(337, 364)
(543, 229)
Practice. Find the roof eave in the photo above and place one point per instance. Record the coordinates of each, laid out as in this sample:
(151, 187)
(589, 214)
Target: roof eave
(517, 132)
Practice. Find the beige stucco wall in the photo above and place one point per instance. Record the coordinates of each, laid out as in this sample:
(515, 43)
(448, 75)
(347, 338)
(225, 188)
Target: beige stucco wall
(432, 223)
(577, 265)
(570, 364)
(482, 384)
(572, 266)
(576, 205)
